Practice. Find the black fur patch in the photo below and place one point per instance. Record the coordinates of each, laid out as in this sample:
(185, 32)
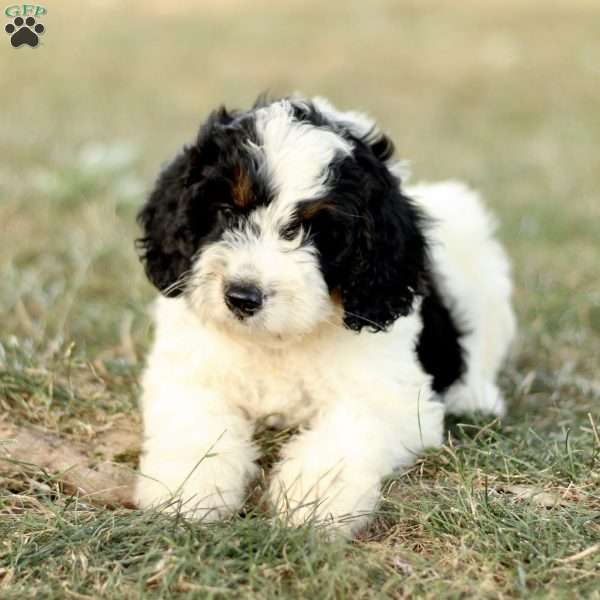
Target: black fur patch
(439, 348)
(210, 185)
(370, 240)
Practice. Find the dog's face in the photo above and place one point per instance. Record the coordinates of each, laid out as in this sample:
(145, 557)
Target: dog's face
(282, 218)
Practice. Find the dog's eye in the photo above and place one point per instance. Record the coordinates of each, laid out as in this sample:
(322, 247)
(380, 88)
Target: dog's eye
(225, 215)
(226, 211)
(290, 231)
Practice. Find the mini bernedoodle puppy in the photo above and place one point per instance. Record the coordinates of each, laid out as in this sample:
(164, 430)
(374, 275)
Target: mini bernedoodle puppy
(303, 284)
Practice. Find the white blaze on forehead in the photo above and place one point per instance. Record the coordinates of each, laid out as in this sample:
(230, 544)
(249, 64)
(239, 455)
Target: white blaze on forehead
(296, 155)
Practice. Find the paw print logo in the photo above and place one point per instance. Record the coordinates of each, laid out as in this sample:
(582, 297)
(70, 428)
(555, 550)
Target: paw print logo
(24, 32)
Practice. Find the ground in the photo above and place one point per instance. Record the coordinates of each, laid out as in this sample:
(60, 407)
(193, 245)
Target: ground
(501, 94)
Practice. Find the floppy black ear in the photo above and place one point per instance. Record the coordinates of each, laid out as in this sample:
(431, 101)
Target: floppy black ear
(388, 256)
(168, 243)
(178, 213)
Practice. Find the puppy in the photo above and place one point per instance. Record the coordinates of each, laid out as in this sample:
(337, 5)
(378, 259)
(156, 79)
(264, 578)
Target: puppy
(303, 284)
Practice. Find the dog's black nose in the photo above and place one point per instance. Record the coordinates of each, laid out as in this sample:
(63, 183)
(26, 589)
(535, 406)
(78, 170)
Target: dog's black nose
(243, 299)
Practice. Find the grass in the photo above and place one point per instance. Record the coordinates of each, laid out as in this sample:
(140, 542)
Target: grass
(502, 94)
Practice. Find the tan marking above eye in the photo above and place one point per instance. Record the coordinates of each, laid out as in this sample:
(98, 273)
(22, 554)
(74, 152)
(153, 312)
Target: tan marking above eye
(242, 189)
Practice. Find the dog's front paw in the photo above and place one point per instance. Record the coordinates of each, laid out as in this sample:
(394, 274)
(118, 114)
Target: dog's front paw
(196, 501)
(209, 491)
(338, 498)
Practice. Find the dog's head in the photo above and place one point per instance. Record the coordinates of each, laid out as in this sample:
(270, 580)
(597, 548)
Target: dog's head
(284, 217)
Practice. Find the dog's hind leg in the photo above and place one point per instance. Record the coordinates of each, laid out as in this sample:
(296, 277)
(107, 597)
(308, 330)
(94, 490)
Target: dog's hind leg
(472, 275)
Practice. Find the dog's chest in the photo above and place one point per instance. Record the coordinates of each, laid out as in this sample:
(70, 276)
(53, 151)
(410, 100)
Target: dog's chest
(281, 403)
(281, 393)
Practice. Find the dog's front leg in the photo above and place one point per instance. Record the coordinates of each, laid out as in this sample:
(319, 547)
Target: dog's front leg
(332, 472)
(197, 456)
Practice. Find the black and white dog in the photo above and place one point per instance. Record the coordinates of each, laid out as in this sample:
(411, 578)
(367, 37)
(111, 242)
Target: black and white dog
(303, 284)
